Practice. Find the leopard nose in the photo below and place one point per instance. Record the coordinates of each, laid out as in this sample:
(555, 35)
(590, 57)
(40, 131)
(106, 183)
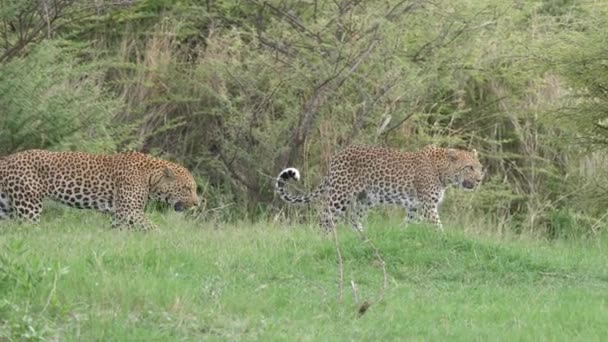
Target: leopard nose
(179, 207)
(468, 184)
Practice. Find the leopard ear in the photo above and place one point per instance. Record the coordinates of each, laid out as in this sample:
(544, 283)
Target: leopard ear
(167, 172)
(475, 153)
(452, 154)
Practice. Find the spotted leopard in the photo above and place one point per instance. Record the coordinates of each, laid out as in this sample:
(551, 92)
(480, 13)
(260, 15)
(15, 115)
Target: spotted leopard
(362, 177)
(120, 184)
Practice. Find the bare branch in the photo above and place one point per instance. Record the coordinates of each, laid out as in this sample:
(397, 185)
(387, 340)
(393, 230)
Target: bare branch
(320, 95)
(368, 106)
(295, 22)
(394, 13)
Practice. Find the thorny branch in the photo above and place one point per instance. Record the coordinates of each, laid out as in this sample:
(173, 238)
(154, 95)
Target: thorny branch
(320, 95)
(39, 20)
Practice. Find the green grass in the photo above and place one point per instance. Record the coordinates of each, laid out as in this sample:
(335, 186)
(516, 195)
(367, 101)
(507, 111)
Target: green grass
(73, 278)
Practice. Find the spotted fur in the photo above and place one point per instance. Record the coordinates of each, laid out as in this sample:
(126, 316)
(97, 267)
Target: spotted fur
(120, 184)
(362, 177)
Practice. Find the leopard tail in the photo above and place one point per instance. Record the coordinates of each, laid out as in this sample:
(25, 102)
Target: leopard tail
(293, 173)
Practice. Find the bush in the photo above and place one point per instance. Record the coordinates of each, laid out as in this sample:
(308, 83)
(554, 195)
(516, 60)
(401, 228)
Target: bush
(51, 99)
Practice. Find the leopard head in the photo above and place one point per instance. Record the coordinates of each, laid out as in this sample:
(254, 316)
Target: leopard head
(464, 168)
(174, 185)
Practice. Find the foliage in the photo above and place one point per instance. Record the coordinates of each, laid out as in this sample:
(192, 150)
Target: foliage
(237, 91)
(577, 59)
(50, 100)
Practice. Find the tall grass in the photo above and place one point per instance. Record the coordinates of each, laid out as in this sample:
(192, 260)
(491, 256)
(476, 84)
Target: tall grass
(74, 278)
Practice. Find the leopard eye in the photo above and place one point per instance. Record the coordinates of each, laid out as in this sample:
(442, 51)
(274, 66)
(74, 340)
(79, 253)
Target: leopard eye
(470, 168)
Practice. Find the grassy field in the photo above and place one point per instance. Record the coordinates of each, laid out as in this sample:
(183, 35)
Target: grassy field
(73, 278)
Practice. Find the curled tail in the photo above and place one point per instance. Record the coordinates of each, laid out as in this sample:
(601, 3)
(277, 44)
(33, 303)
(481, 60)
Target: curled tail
(288, 174)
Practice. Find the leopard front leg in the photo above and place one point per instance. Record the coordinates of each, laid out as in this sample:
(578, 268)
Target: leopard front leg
(429, 195)
(412, 214)
(430, 208)
(431, 214)
(131, 196)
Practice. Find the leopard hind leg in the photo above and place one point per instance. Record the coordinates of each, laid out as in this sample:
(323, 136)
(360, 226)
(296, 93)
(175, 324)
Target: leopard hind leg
(361, 206)
(5, 205)
(336, 203)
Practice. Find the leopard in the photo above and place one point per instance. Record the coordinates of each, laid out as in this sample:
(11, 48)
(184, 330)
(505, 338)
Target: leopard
(120, 184)
(361, 177)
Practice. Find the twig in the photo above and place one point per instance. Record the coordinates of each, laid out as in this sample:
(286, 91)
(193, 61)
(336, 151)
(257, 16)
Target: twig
(219, 208)
(382, 265)
(387, 130)
(355, 293)
(596, 226)
(53, 290)
(340, 264)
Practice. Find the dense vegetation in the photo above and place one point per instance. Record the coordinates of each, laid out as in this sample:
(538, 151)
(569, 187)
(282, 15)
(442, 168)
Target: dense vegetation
(238, 90)
(71, 278)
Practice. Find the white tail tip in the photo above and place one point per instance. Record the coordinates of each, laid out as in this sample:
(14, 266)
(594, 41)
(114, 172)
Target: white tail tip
(290, 173)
